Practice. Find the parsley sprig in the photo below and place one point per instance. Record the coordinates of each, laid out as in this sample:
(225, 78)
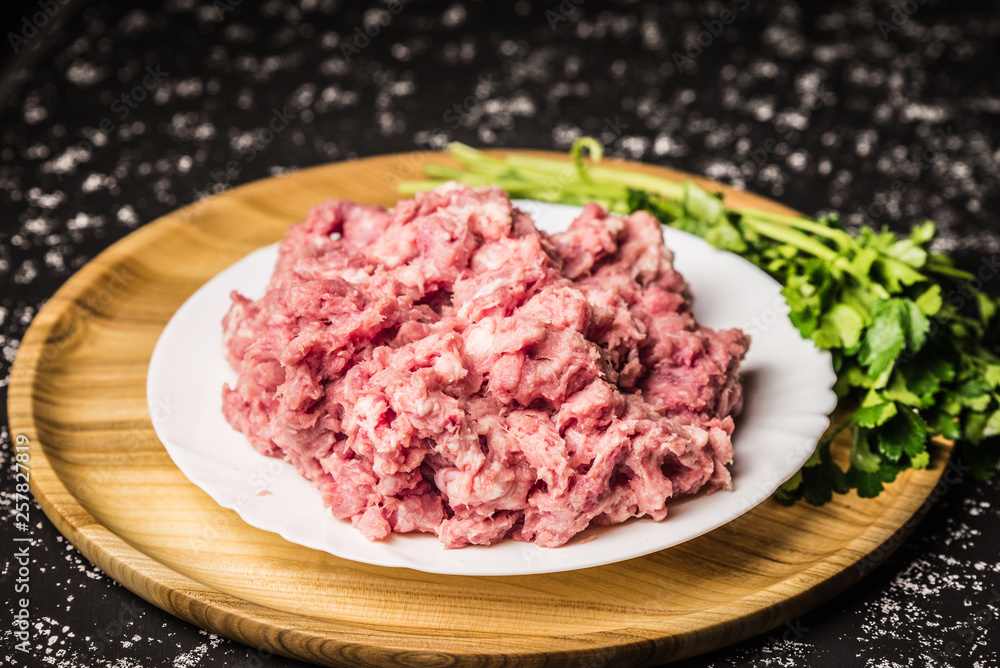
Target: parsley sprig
(912, 342)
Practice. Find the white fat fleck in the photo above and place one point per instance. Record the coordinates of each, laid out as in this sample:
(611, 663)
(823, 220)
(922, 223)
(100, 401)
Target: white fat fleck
(357, 276)
(492, 257)
(490, 287)
(478, 340)
(410, 275)
(449, 368)
(426, 407)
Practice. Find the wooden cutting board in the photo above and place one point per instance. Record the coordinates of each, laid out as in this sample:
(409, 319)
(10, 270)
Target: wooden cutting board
(77, 395)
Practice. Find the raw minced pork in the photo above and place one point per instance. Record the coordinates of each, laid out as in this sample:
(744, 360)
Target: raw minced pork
(445, 367)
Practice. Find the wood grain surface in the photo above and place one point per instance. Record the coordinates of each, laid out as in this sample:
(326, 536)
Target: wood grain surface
(100, 474)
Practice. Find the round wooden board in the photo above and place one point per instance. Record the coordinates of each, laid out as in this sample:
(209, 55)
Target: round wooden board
(78, 395)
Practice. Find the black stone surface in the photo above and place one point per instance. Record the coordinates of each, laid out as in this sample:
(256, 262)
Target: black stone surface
(887, 112)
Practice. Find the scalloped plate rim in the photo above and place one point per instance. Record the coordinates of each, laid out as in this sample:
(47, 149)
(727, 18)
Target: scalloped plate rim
(264, 488)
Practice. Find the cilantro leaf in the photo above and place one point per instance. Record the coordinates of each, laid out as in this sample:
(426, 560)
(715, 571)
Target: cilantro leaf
(992, 424)
(862, 457)
(987, 307)
(930, 301)
(867, 484)
(925, 373)
(840, 327)
(707, 213)
(940, 422)
(897, 324)
(908, 252)
(974, 430)
(875, 415)
(895, 273)
(923, 232)
(902, 392)
(906, 432)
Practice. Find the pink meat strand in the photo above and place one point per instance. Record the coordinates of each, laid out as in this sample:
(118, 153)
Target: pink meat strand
(446, 367)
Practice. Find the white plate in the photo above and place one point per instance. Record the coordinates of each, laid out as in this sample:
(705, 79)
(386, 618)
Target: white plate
(788, 397)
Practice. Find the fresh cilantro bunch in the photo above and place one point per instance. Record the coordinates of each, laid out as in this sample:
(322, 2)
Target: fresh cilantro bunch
(912, 342)
(911, 362)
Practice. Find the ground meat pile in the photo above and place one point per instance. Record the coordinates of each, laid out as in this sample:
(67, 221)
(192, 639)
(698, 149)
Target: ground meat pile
(445, 367)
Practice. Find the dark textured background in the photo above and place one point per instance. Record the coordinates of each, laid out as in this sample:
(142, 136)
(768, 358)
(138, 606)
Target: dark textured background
(889, 122)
